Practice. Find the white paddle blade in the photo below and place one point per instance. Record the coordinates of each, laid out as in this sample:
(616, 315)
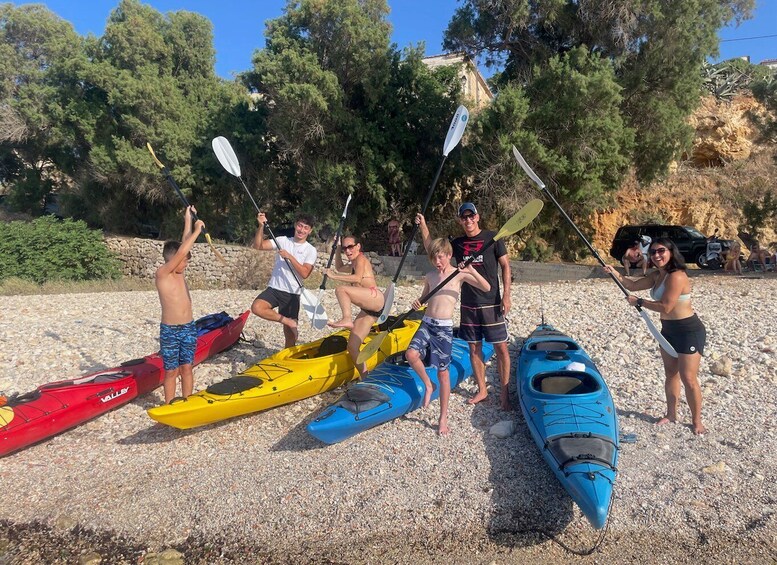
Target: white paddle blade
(456, 130)
(527, 169)
(226, 155)
(665, 345)
(347, 202)
(388, 303)
(314, 310)
(318, 321)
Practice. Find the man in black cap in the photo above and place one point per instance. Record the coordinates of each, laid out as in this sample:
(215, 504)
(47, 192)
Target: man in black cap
(482, 313)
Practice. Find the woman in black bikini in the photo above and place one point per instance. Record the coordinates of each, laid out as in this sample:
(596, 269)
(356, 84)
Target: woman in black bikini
(670, 290)
(362, 293)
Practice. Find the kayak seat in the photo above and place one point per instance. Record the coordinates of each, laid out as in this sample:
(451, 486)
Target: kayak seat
(575, 448)
(361, 398)
(553, 346)
(234, 385)
(565, 382)
(331, 345)
(109, 377)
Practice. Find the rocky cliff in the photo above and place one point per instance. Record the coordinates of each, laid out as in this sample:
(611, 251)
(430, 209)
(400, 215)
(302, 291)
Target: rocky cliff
(728, 165)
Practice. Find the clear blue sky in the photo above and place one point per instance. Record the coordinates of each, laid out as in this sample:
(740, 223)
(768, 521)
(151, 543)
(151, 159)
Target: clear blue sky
(238, 25)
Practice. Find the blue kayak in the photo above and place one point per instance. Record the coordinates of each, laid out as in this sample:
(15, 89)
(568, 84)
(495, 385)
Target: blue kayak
(390, 390)
(570, 414)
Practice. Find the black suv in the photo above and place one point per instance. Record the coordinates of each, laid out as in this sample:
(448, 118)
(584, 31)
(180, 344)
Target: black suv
(690, 241)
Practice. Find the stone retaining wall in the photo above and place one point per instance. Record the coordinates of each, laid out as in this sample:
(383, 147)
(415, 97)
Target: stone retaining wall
(245, 268)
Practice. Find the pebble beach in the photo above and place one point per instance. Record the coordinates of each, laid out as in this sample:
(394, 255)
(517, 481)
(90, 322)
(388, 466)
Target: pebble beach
(258, 489)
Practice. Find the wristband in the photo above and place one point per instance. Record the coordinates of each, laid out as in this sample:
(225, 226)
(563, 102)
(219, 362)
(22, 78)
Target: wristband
(640, 302)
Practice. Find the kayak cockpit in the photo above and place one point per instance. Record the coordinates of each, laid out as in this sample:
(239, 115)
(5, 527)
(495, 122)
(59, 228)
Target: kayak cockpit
(554, 345)
(565, 383)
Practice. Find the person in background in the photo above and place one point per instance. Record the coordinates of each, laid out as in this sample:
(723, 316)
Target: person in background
(733, 263)
(394, 238)
(670, 293)
(283, 290)
(177, 330)
(757, 257)
(633, 259)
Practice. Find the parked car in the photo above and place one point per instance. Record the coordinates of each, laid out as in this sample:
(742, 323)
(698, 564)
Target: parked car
(689, 241)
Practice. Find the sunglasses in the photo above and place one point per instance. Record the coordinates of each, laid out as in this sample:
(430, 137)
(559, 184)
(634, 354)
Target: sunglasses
(658, 251)
(466, 217)
(347, 247)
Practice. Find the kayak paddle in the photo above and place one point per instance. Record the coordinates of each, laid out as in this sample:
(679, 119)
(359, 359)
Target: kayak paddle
(178, 191)
(517, 222)
(226, 156)
(329, 264)
(665, 345)
(455, 131)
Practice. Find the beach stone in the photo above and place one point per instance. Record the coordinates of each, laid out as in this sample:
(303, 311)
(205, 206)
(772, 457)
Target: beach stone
(167, 557)
(503, 429)
(65, 523)
(91, 558)
(721, 367)
(716, 469)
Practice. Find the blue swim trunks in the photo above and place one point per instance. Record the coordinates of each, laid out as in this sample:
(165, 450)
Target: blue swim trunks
(436, 336)
(177, 344)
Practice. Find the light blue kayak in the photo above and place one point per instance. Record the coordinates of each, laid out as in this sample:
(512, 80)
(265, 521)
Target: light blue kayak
(389, 391)
(570, 414)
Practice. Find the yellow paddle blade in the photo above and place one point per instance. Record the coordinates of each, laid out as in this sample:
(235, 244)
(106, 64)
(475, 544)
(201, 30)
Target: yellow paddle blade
(521, 219)
(218, 255)
(371, 348)
(6, 415)
(153, 155)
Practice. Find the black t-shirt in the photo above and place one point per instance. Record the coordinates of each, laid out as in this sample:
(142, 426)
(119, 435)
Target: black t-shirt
(487, 265)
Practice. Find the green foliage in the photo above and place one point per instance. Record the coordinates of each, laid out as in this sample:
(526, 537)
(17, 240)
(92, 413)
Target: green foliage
(48, 249)
(760, 213)
(656, 49)
(345, 113)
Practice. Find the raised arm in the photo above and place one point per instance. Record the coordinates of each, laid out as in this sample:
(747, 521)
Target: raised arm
(183, 251)
(188, 222)
(259, 241)
(425, 235)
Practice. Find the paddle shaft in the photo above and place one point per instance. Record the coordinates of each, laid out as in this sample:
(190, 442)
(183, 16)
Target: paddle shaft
(181, 195)
(425, 298)
(423, 211)
(588, 244)
(334, 244)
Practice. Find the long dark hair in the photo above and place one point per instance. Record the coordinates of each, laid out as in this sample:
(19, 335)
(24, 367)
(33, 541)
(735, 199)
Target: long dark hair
(676, 261)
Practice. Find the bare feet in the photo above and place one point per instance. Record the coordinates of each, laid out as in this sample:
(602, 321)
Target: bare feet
(428, 394)
(480, 396)
(288, 322)
(342, 323)
(443, 429)
(666, 420)
(698, 429)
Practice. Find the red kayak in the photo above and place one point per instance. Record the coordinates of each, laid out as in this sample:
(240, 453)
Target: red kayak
(55, 407)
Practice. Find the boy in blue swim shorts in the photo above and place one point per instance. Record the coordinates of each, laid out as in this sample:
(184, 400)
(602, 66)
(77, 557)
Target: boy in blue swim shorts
(435, 334)
(178, 331)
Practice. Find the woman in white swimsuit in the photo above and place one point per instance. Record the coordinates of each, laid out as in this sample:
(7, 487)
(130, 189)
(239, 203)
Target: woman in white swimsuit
(670, 293)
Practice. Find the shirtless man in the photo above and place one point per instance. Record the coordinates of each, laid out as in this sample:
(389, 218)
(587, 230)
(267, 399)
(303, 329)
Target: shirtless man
(436, 330)
(178, 331)
(633, 258)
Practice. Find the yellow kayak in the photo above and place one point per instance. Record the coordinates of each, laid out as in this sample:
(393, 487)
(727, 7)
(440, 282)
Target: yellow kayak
(291, 374)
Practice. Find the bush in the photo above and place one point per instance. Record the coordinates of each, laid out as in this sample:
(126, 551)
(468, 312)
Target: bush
(49, 249)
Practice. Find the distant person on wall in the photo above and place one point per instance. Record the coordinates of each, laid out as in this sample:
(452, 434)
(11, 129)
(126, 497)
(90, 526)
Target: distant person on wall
(362, 293)
(283, 290)
(435, 333)
(670, 293)
(394, 238)
(482, 312)
(177, 331)
(633, 259)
